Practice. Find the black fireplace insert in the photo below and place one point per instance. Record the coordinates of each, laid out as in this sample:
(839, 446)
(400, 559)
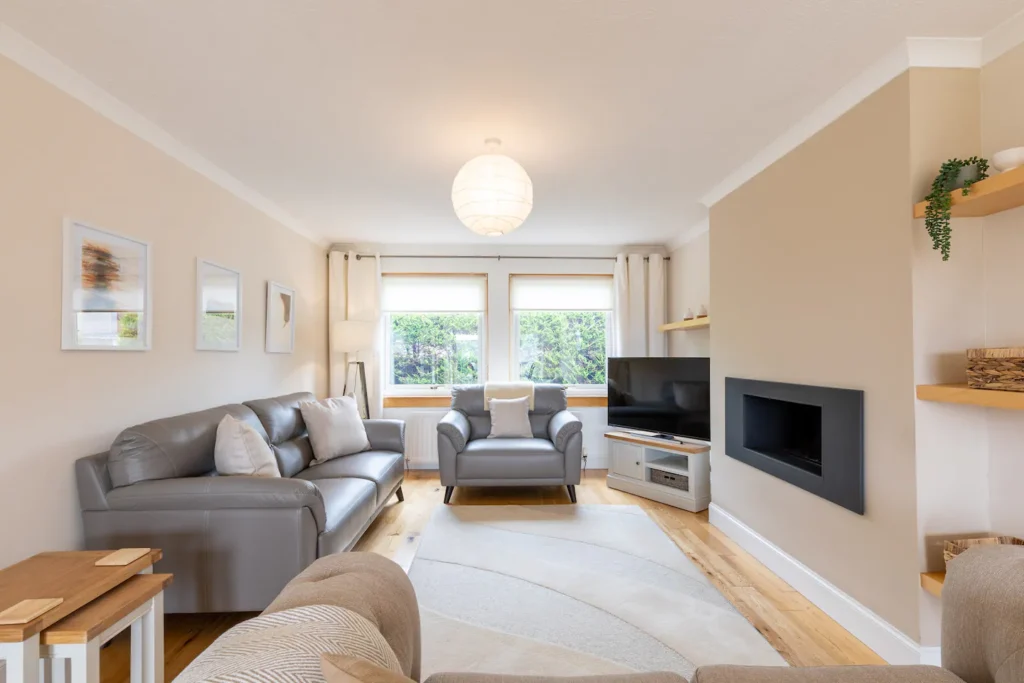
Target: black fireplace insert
(811, 437)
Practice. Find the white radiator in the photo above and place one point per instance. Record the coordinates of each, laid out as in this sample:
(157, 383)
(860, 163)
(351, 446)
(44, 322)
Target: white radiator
(420, 434)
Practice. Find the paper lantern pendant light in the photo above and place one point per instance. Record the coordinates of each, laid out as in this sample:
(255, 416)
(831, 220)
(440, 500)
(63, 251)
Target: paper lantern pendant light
(492, 194)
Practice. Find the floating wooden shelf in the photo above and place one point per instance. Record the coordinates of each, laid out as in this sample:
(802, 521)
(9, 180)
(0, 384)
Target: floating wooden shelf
(1000, 192)
(961, 393)
(695, 324)
(932, 582)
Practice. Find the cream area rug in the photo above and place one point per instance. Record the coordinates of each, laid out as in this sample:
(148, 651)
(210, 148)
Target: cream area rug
(565, 590)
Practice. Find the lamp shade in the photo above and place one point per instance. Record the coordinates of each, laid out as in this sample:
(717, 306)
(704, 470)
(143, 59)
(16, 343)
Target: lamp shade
(353, 336)
(492, 194)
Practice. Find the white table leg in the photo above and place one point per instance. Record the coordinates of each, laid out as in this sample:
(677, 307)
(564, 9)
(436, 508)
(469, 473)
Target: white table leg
(85, 662)
(153, 642)
(59, 670)
(137, 650)
(21, 660)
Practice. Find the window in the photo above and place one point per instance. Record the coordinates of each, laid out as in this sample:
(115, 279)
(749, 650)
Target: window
(561, 329)
(435, 331)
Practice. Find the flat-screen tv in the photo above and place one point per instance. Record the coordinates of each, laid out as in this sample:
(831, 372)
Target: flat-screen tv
(670, 396)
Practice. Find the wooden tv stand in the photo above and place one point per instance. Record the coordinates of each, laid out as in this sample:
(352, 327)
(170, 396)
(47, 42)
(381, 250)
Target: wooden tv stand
(636, 463)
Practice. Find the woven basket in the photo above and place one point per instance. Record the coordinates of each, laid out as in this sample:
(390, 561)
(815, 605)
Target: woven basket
(1001, 369)
(954, 548)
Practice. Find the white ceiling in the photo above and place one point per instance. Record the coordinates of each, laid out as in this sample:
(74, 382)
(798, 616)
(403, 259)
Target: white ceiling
(354, 115)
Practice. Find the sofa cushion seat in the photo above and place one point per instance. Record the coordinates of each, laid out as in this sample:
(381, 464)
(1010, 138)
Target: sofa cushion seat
(349, 505)
(510, 459)
(384, 469)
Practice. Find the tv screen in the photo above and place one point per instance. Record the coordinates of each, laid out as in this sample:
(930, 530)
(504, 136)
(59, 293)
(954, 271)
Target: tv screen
(664, 395)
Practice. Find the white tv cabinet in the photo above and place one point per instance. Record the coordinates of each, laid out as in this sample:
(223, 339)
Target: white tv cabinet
(635, 461)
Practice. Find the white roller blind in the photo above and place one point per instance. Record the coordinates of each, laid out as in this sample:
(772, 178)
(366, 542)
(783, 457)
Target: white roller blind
(564, 293)
(434, 294)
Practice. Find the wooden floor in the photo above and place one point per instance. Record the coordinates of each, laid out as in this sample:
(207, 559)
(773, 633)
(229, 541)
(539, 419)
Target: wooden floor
(801, 632)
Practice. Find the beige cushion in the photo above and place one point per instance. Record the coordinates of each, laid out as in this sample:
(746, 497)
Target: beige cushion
(241, 450)
(335, 428)
(346, 669)
(510, 418)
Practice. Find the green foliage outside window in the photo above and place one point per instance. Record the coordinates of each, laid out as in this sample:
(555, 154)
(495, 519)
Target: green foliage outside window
(435, 348)
(563, 347)
(128, 325)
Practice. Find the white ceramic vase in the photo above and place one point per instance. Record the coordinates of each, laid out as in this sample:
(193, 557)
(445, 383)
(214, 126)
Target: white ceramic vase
(1008, 159)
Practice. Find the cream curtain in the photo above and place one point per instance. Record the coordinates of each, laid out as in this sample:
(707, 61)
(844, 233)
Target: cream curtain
(639, 305)
(355, 295)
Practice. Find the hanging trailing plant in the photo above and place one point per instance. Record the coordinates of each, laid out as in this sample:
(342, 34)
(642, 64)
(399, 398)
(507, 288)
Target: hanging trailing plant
(940, 201)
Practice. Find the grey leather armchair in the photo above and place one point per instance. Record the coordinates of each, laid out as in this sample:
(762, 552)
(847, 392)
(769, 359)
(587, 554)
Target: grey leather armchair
(232, 543)
(552, 457)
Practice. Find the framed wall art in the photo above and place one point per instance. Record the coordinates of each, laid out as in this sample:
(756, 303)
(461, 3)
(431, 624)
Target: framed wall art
(106, 291)
(218, 307)
(280, 318)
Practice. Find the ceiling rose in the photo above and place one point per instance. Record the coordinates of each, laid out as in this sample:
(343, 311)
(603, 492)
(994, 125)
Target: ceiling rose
(492, 194)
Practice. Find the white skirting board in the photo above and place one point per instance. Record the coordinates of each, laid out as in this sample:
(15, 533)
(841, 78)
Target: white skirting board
(886, 640)
(931, 656)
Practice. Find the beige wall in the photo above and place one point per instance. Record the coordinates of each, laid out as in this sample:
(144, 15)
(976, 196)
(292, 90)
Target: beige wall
(945, 122)
(1002, 106)
(811, 283)
(689, 287)
(59, 158)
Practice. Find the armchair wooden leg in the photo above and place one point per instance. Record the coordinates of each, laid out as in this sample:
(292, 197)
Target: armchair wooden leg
(448, 490)
(572, 492)
(400, 494)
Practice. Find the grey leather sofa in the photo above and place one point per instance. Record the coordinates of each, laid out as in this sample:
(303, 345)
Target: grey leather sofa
(233, 543)
(553, 457)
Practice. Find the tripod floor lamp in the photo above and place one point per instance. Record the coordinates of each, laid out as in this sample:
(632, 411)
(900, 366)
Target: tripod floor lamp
(353, 337)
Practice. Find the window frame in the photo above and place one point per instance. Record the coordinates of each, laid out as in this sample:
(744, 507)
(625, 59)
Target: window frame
(432, 389)
(513, 329)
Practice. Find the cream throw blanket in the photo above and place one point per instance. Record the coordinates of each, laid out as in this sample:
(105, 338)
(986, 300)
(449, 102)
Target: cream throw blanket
(285, 647)
(507, 390)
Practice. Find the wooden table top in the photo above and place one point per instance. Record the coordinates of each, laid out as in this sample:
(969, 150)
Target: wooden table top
(663, 444)
(96, 617)
(71, 575)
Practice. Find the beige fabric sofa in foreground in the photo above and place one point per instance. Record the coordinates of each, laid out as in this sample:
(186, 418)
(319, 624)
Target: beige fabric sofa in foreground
(983, 631)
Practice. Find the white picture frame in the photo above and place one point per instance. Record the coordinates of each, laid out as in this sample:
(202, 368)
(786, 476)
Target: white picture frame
(106, 285)
(280, 318)
(218, 307)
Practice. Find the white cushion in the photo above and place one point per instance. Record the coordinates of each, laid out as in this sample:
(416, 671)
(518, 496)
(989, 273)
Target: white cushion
(335, 428)
(510, 418)
(241, 451)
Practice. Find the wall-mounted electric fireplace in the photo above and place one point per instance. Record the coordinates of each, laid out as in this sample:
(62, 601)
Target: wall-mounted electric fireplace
(812, 437)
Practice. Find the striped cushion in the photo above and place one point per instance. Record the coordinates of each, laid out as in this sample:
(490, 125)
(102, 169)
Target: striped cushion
(285, 647)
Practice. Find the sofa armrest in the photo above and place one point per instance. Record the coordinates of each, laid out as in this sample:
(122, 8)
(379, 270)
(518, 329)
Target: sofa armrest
(561, 428)
(94, 483)
(220, 493)
(386, 435)
(455, 426)
(823, 674)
